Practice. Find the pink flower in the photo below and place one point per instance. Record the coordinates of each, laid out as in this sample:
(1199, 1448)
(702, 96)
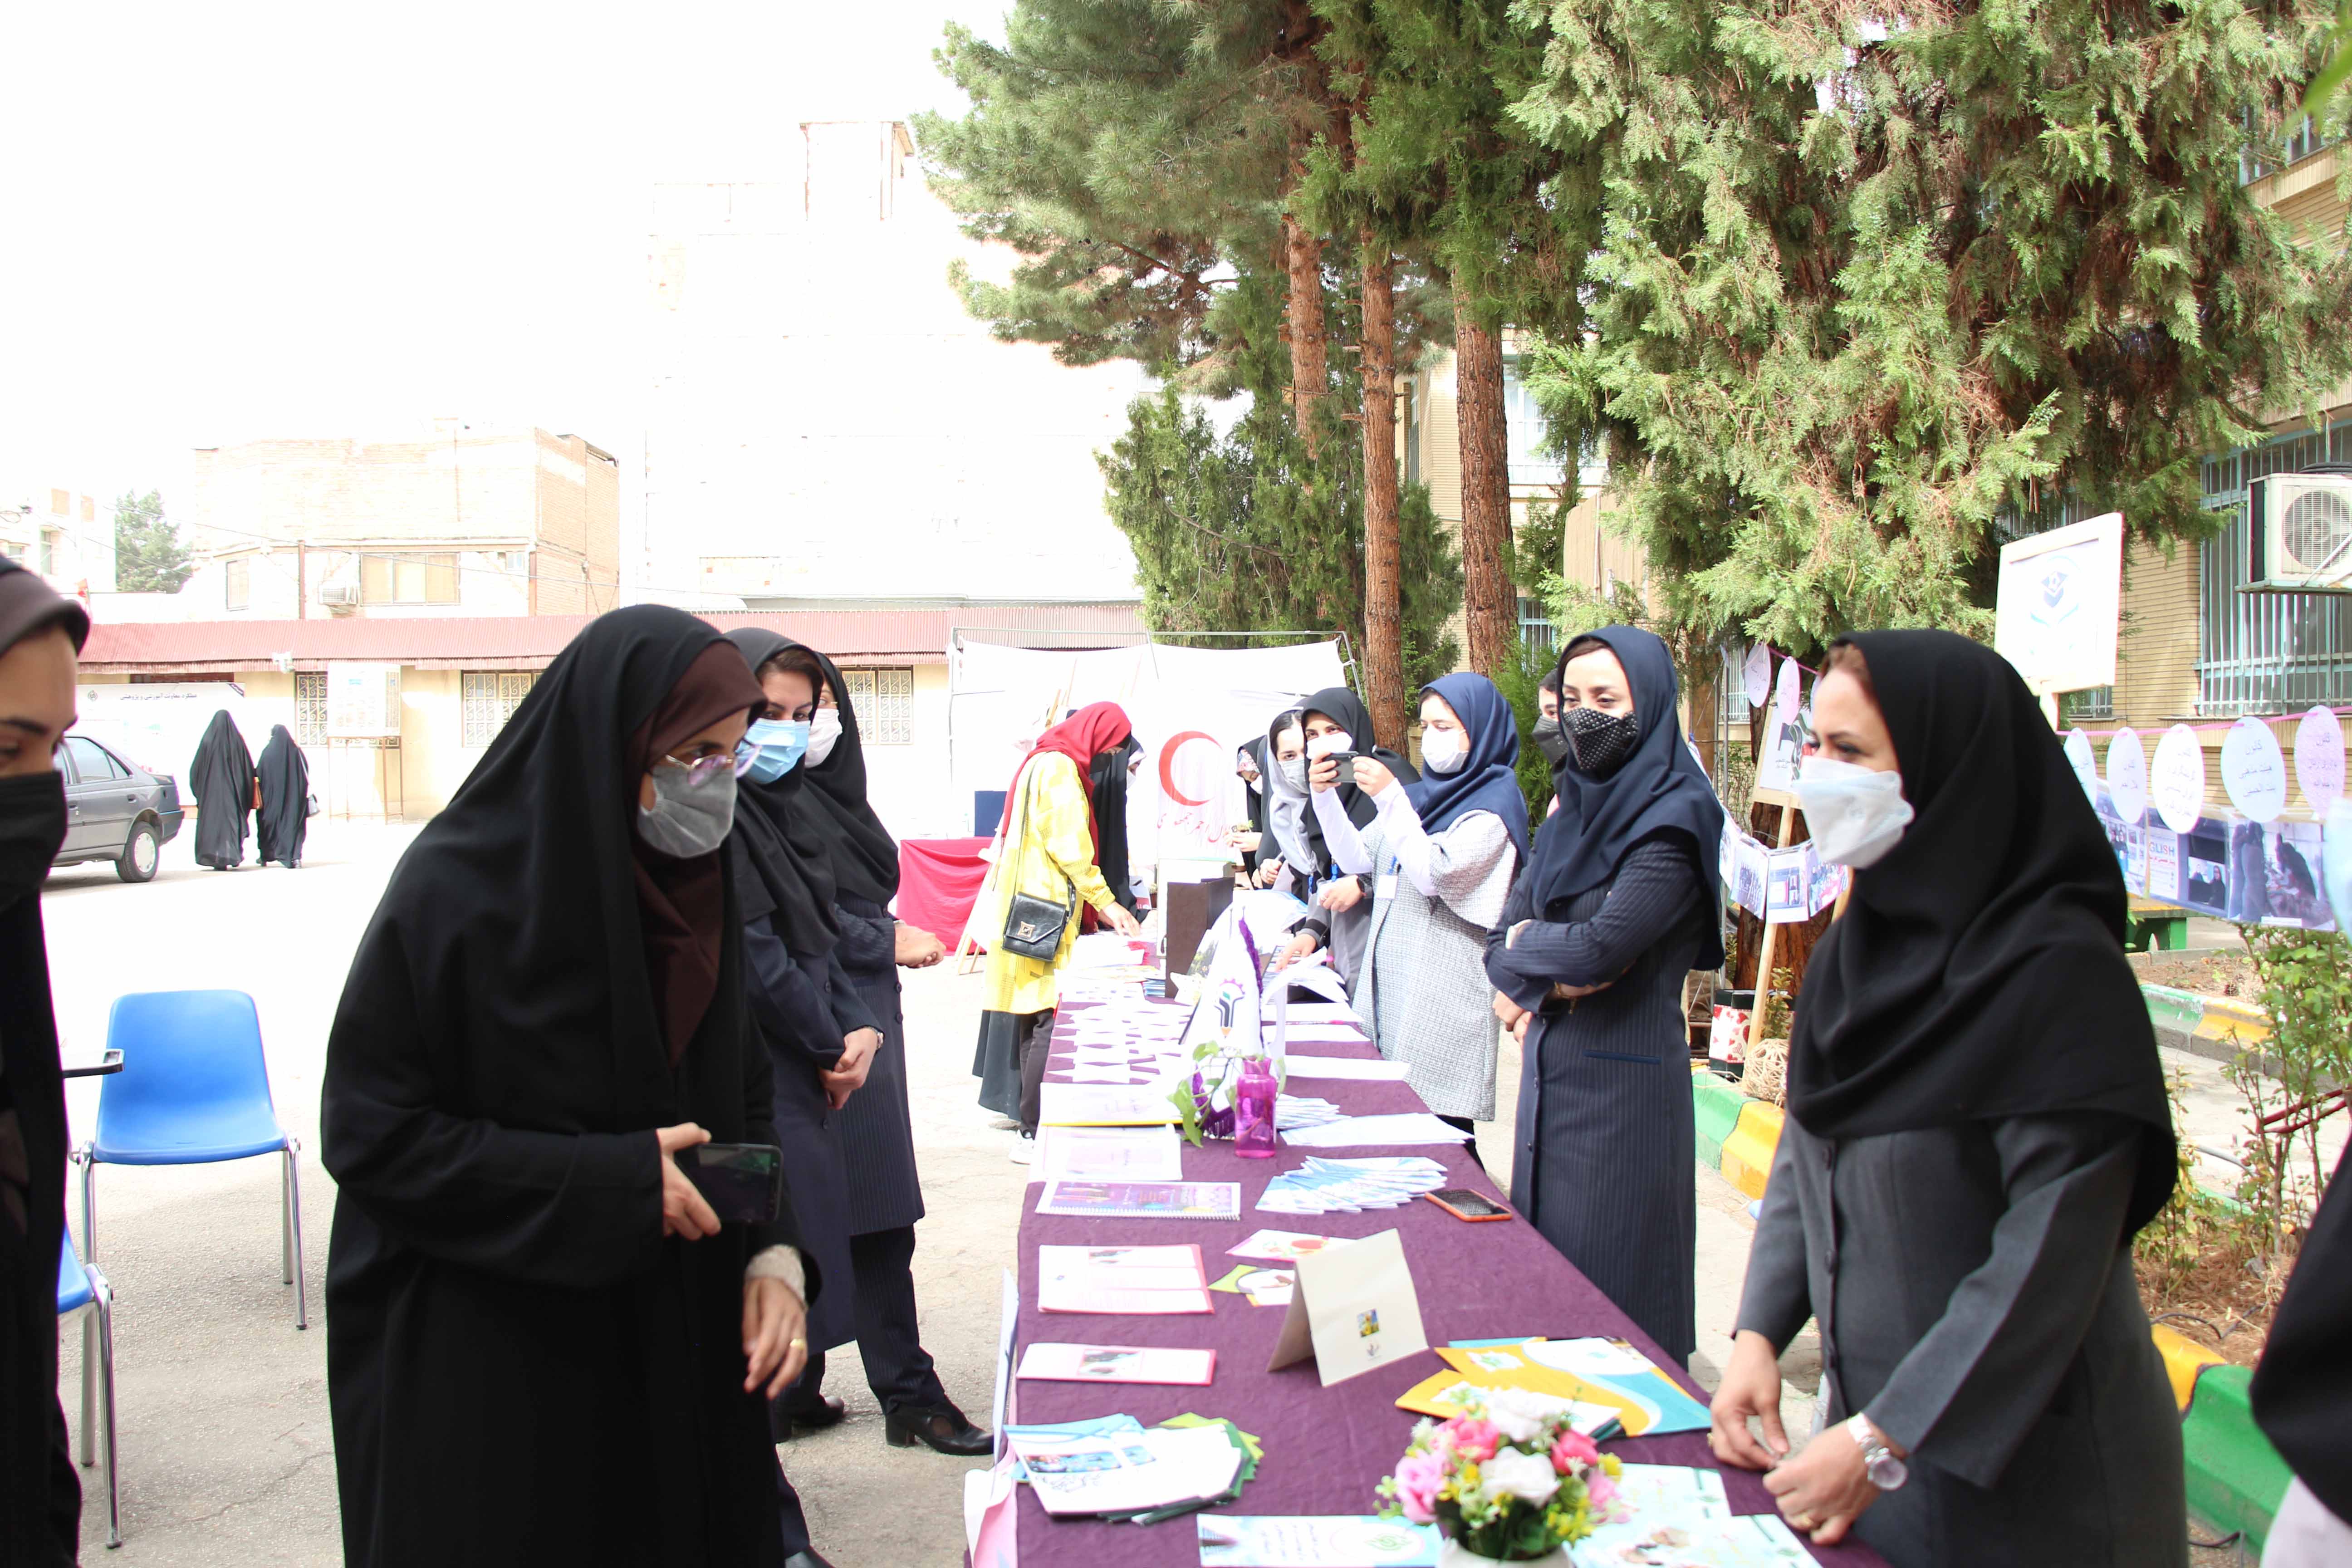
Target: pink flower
(1474, 1439)
(1600, 1489)
(1418, 1476)
(1573, 1446)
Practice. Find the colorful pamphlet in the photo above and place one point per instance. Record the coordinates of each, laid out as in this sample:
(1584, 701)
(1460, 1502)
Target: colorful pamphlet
(1353, 1308)
(1658, 1404)
(1142, 1200)
(1264, 1287)
(1129, 1473)
(1282, 1245)
(1315, 1541)
(1602, 1413)
(1350, 1186)
(1047, 1363)
(1680, 1517)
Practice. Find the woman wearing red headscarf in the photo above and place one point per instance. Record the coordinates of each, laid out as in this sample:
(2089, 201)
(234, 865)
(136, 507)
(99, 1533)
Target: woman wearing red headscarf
(1046, 849)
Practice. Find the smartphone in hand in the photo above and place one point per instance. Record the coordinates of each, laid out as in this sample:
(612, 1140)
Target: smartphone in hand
(742, 1183)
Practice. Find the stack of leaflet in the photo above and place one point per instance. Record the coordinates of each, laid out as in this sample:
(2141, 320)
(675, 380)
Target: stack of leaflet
(1121, 1280)
(1292, 1112)
(1681, 1516)
(1351, 1186)
(1115, 1468)
(1373, 1132)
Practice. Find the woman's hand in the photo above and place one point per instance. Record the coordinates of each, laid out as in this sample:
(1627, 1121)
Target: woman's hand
(684, 1211)
(1519, 1029)
(847, 1076)
(1242, 839)
(1509, 1011)
(1298, 947)
(1825, 1488)
(916, 948)
(1122, 921)
(1750, 1386)
(1373, 776)
(1341, 896)
(1322, 773)
(774, 1324)
(1267, 871)
(1564, 993)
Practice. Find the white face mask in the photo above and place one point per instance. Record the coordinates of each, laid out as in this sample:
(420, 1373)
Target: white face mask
(1444, 750)
(1857, 815)
(1322, 746)
(692, 810)
(824, 729)
(1294, 773)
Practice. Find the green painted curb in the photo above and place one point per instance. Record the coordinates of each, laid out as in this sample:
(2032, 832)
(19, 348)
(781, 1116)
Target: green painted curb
(2235, 1477)
(1716, 1103)
(2180, 1010)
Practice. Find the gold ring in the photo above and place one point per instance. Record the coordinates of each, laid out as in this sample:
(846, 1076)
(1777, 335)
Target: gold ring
(800, 1344)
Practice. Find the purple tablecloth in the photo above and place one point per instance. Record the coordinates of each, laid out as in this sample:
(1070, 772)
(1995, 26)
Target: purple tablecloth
(1325, 1448)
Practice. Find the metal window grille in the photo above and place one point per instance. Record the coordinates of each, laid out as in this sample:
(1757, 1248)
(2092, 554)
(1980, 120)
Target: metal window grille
(311, 706)
(2300, 144)
(489, 697)
(2267, 653)
(1526, 428)
(884, 700)
(1535, 627)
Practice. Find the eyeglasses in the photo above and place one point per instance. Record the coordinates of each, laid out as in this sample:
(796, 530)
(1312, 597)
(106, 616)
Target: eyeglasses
(702, 770)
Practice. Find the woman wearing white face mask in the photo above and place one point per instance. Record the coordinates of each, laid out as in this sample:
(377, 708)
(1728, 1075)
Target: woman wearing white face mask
(1977, 1127)
(1441, 854)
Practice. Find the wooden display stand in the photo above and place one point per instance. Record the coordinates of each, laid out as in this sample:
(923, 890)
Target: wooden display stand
(1787, 802)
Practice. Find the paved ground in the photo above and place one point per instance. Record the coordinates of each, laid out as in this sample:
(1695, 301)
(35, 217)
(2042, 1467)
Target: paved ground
(227, 1454)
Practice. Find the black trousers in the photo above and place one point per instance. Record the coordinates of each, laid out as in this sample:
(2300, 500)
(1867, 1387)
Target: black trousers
(889, 1339)
(1036, 1044)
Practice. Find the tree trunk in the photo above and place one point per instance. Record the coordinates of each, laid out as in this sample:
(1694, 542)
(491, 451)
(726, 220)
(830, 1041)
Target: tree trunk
(1490, 599)
(1303, 325)
(1384, 612)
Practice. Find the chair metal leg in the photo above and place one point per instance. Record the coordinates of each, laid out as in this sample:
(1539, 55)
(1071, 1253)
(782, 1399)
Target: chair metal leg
(89, 1444)
(102, 1318)
(286, 1218)
(294, 1231)
(89, 1162)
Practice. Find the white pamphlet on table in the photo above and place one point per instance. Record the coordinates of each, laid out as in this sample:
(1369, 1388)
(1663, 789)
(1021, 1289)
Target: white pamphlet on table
(1362, 1069)
(1103, 1153)
(1353, 1308)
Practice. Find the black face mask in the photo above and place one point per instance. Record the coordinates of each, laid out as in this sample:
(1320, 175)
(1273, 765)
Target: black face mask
(1550, 740)
(32, 826)
(1602, 742)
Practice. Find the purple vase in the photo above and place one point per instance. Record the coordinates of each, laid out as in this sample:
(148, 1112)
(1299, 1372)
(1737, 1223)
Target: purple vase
(1254, 1110)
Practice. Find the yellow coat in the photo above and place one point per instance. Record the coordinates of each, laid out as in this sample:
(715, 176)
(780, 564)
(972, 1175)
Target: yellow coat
(1052, 850)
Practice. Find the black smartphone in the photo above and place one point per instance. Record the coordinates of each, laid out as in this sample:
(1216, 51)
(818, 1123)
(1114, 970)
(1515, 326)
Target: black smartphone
(1463, 1203)
(1346, 761)
(742, 1183)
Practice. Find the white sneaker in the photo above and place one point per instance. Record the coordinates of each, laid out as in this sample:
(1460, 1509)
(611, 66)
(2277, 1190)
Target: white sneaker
(1023, 1150)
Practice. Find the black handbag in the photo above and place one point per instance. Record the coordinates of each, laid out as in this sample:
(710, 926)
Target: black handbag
(1034, 926)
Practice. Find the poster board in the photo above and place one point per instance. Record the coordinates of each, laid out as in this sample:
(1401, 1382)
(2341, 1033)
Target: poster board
(362, 701)
(2060, 598)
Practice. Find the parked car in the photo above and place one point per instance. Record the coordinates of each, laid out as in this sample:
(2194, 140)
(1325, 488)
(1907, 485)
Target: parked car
(116, 810)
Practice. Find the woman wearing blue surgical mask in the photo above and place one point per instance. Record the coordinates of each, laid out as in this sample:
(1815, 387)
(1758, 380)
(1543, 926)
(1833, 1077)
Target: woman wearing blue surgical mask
(543, 1342)
(1977, 1127)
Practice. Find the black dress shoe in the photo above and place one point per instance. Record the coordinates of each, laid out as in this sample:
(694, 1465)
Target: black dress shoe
(826, 1412)
(942, 1426)
(808, 1559)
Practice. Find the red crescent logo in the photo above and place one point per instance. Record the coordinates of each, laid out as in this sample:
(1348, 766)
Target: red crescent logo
(1167, 762)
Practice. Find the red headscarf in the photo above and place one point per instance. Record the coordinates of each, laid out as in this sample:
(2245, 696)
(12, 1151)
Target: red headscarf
(1083, 736)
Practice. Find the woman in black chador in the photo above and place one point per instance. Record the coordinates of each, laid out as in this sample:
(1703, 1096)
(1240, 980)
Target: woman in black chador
(542, 1346)
(284, 816)
(221, 777)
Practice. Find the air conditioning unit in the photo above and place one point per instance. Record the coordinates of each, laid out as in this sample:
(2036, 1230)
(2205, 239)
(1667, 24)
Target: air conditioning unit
(342, 594)
(2299, 533)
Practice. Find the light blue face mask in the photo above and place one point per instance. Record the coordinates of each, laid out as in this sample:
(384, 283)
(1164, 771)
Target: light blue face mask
(771, 748)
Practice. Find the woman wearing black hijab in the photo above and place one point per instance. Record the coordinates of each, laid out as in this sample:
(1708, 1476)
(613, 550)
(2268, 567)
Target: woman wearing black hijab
(1335, 719)
(1977, 1127)
(284, 816)
(40, 1495)
(541, 1344)
(221, 776)
(1107, 781)
(1617, 906)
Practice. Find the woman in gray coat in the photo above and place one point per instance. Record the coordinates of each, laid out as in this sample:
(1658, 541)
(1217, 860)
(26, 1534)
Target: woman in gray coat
(1977, 1125)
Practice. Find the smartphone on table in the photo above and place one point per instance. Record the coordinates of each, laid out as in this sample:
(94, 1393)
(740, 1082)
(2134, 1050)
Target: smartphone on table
(1463, 1203)
(742, 1183)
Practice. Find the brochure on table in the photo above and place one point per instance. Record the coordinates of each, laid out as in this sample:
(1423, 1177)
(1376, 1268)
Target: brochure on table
(1129, 1472)
(1681, 1517)
(1142, 1200)
(1120, 1279)
(1315, 1541)
(1354, 1309)
(1050, 1363)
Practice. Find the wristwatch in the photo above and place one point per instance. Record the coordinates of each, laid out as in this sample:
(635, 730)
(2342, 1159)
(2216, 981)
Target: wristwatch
(1878, 1461)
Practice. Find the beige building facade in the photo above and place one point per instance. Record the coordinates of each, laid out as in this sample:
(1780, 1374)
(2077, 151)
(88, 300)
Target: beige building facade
(454, 520)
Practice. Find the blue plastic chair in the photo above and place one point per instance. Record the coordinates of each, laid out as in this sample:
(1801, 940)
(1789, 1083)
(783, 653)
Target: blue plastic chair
(84, 1289)
(194, 1089)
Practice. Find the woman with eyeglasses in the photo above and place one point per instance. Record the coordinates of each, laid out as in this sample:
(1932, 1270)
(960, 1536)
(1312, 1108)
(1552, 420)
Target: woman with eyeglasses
(542, 1342)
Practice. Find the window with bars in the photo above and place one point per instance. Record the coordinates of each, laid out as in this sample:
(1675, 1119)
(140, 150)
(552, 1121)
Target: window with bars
(1535, 627)
(488, 699)
(1526, 428)
(311, 706)
(2267, 653)
(884, 700)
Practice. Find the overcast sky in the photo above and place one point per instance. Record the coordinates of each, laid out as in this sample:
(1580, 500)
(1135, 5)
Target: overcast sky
(238, 220)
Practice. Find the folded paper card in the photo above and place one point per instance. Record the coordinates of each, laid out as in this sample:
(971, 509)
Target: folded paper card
(1047, 1363)
(1315, 1541)
(1353, 1308)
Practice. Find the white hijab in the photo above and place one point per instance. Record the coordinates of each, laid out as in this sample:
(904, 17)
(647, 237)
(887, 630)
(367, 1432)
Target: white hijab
(1286, 810)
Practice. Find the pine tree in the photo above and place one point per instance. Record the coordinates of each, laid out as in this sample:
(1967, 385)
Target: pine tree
(1864, 298)
(150, 556)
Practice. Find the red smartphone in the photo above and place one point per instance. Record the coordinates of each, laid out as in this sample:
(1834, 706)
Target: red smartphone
(1463, 1203)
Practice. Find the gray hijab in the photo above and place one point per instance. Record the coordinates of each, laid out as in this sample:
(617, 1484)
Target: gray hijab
(1286, 804)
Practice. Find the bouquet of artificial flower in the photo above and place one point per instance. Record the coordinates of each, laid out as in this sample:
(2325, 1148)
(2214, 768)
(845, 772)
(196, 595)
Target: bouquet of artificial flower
(1512, 1480)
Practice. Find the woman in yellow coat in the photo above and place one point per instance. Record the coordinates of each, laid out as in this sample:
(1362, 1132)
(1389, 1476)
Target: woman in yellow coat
(1047, 851)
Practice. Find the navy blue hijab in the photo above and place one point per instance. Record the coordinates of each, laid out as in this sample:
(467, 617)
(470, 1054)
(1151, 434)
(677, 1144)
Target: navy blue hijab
(1488, 778)
(1660, 790)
